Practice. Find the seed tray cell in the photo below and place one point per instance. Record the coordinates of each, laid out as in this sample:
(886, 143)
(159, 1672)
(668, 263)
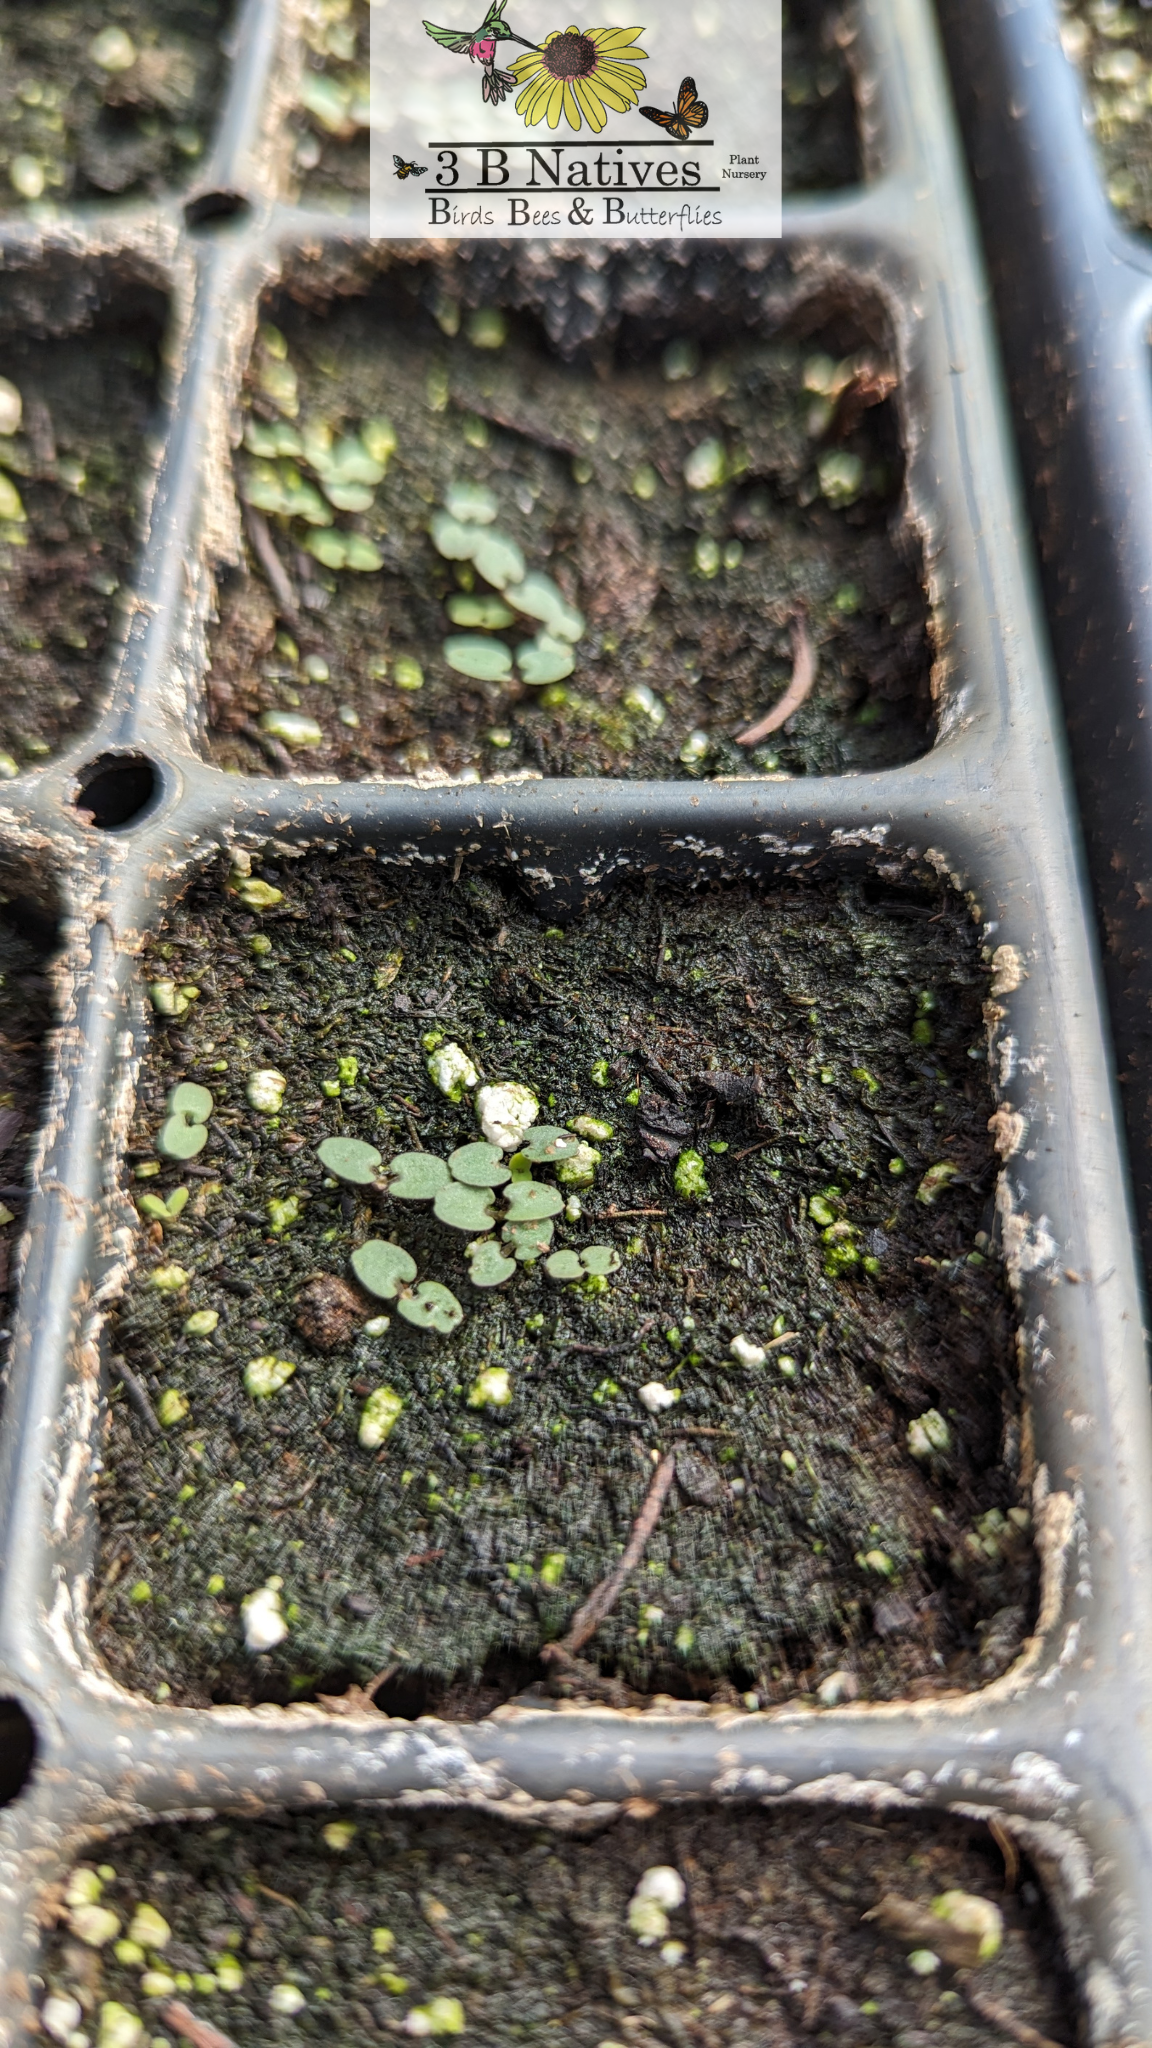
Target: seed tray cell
(338, 1927)
(103, 102)
(698, 504)
(123, 827)
(82, 348)
(1074, 290)
(817, 1521)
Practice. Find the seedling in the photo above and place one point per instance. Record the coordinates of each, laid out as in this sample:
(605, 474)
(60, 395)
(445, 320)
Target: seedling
(160, 1211)
(349, 1159)
(596, 1259)
(184, 1134)
(387, 1271)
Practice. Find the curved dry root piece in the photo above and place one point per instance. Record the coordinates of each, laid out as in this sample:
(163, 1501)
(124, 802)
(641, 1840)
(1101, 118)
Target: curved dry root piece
(803, 677)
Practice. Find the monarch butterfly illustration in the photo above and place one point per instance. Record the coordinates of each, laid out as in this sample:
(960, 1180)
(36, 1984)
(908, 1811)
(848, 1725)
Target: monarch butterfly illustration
(404, 170)
(690, 112)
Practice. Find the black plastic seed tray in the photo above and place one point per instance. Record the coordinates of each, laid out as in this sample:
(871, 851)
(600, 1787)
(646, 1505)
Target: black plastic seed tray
(1072, 291)
(1055, 1751)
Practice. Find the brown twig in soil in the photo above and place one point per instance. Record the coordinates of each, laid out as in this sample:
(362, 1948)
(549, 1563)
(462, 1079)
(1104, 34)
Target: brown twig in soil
(1008, 1850)
(996, 2015)
(269, 1030)
(749, 1149)
(138, 1398)
(606, 1350)
(264, 548)
(201, 2033)
(601, 1601)
(803, 677)
(359, 1699)
(603, 1215)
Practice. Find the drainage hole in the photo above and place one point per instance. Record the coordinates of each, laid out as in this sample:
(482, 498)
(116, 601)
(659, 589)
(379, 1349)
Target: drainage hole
(17, 1750)
(208, 209)
(117, 789)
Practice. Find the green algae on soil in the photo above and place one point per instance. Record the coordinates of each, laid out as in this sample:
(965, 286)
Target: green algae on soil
(78, 465)
(1112, 45)
(820, 143)
(803, 1542)
(689, 495)
(359, 1920)
(105, 99)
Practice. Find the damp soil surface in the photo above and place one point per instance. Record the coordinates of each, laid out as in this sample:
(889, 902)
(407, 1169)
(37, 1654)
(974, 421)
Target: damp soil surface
(528, 1930)
(820, 1049)
(331, 159)
(25, 1019)
(105, 99)
(1112, 45)
(77, 467)
(698, 498)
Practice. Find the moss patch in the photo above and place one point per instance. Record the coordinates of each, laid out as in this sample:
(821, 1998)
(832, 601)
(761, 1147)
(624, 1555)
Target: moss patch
(802, 1539)
(105, 98)
(75, 466)
(688, 495)
(529, 1931)
(1113, 47)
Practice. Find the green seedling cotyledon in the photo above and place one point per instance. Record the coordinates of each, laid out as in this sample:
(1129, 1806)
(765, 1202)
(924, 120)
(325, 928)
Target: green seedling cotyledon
(184, 1132)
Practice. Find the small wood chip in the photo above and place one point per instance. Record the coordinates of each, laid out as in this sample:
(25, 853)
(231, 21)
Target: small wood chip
(201, 2033)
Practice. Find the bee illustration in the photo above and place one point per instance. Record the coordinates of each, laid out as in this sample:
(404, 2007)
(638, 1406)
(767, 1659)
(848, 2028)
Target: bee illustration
(404, 170)
(690, 113)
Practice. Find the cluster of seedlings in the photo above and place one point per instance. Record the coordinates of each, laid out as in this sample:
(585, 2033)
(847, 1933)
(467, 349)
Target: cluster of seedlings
(690, 1926)
(105, 99)
(702, 537)
(612, 1309)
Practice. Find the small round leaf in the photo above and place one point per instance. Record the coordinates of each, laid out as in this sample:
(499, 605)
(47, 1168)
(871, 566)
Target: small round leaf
(178, 1139)
(417, 1176)
(349, 1159)
(498, 558)
(600, 1258)
(432, 1307)
(189, 1099)
(546, 1143)
(383, 1268)
(529, 1201)
(463, 1208)
(564, 1266)
(529, 1240)
(479, 1165)
(488, 1266)
(544, 660)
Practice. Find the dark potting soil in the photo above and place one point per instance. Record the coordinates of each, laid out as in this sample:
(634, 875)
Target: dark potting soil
(694, 496)
(357, 1923)
(820, 143)
(105, 99)
(76, 467)
(1113, 47)
(849, 1188)
(25, 1019)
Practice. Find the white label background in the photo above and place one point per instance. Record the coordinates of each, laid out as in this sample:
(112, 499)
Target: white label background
(428, 109)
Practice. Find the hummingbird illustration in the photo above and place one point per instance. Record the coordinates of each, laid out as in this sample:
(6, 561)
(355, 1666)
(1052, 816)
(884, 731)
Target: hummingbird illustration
(479, 45)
